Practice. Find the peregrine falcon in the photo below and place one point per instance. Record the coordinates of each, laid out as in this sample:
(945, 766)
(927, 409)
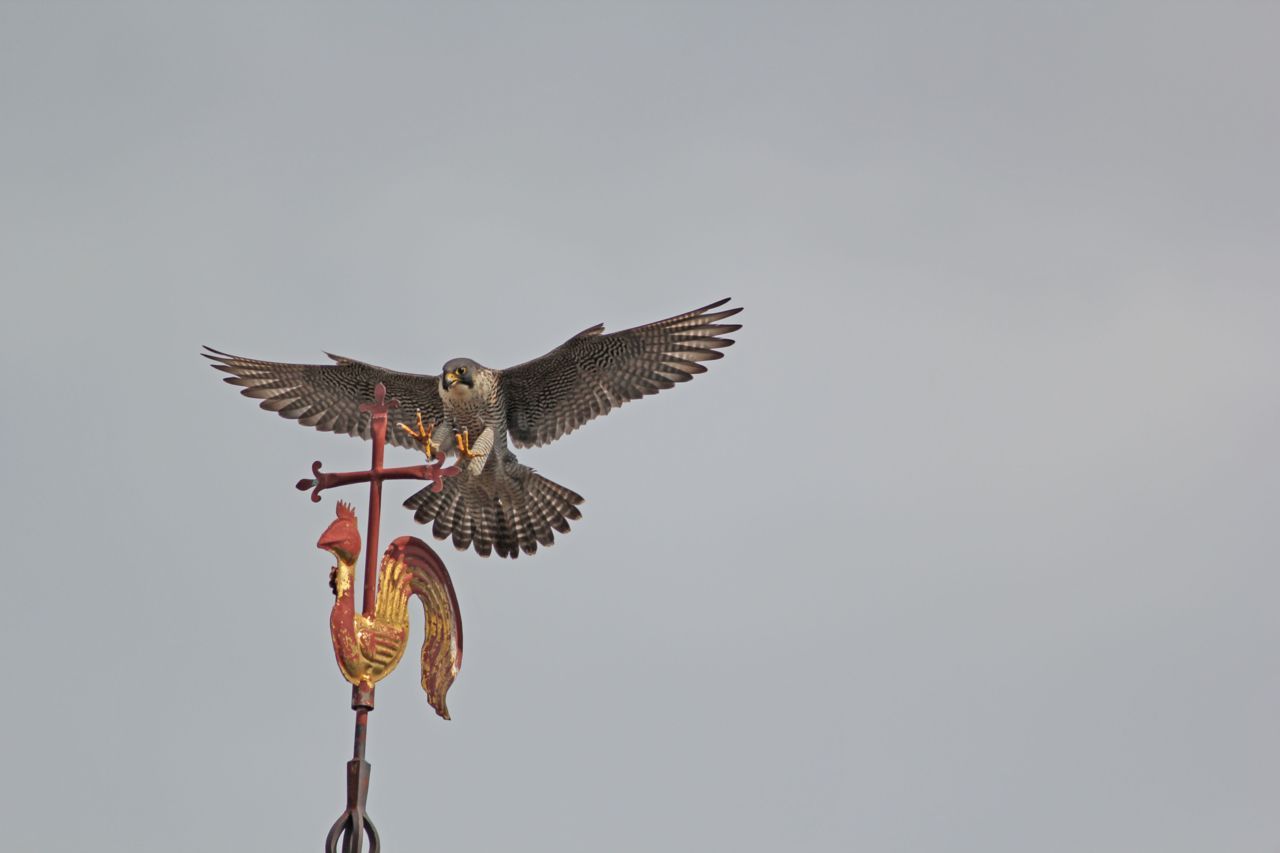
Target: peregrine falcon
(496, 503)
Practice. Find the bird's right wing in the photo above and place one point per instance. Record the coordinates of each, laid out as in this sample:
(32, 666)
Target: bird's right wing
(593, 373)
(328, 396)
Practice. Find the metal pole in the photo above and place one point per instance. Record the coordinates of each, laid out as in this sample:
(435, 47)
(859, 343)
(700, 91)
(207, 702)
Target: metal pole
(354, 821)
(379, 429)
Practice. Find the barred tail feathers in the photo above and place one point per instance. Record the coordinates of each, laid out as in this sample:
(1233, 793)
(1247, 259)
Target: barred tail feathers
(510, 511)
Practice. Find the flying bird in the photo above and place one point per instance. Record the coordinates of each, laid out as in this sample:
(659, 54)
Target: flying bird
(496, 504)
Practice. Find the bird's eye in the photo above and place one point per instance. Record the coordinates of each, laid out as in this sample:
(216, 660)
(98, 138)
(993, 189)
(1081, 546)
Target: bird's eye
(461, 370)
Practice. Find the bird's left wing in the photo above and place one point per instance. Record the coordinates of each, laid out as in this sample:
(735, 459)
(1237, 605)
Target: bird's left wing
(592, 373)
(328, 396)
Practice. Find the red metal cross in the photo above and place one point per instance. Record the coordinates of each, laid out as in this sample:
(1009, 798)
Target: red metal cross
(374, 476)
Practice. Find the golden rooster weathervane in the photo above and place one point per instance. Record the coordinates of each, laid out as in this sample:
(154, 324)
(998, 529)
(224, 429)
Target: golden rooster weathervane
(368, 644)
(369, 648)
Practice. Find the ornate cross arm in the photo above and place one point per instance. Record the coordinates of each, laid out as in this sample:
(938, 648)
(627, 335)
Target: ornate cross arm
(376, 474)
(327, 480)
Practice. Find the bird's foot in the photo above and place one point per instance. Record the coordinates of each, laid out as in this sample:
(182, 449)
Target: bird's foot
(423, 434)
(462, 441)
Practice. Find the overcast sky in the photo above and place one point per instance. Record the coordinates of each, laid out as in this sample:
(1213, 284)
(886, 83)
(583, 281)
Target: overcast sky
(969, 544)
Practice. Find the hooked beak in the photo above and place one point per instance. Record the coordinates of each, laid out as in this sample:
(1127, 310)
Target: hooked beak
(452, 378)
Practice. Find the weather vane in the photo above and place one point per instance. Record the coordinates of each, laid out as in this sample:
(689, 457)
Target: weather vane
(488, 501)
(368, 644)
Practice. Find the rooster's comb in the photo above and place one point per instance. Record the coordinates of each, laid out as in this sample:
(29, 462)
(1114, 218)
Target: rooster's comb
(345, 510)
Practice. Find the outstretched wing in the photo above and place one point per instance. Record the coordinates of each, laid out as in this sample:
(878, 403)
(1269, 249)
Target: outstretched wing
(328, 396)
(592, 373)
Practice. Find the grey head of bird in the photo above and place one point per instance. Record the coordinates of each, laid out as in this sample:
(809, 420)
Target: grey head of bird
(461, 375)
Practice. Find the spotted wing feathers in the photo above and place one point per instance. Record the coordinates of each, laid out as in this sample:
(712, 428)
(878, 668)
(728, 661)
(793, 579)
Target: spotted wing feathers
(328, 396)
(592, 373)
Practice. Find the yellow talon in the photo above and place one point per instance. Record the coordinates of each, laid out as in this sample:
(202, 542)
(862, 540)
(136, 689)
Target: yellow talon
(462, 440)
(423, 434)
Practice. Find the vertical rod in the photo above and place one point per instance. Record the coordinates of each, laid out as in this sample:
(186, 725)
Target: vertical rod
(379, 429)
(362, 729)
(354, 820)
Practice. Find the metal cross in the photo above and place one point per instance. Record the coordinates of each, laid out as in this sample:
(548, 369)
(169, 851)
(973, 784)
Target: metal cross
(352, 825)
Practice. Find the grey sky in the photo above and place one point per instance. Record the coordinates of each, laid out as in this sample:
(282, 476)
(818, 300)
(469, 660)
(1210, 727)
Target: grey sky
(969, 543)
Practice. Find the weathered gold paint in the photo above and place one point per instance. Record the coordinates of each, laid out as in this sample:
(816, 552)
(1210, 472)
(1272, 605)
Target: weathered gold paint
(369, 649)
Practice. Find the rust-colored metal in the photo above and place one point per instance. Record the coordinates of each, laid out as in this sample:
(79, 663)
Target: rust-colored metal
(327, 480)
(354, 823)
(362, 697)
(368, 645)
